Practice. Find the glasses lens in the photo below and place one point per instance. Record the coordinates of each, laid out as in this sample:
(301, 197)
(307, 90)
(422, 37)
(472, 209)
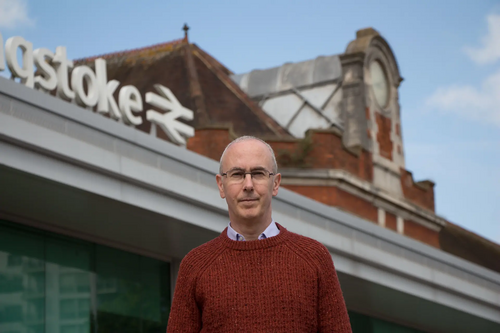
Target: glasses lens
(239, 175)
(259, 175)
(236, 175)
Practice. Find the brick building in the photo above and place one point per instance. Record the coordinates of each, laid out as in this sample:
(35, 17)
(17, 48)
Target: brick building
(338, 140)
(334, 123)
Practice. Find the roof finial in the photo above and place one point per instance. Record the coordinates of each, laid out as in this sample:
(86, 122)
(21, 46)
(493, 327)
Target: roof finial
(185, 28)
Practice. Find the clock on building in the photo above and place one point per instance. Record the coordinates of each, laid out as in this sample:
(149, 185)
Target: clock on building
(380, 85)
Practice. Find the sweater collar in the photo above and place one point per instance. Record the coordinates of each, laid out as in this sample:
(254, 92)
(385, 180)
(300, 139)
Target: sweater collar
(255, 244)
(271, 231)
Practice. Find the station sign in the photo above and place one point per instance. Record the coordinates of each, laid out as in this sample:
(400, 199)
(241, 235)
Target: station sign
(91, 89)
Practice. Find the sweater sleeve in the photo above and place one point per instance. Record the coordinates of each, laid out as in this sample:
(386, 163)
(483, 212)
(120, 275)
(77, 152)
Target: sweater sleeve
(185, 316)
(332, 311)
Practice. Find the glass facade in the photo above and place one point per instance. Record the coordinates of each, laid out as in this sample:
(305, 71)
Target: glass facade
(51, 283)
(365, 324)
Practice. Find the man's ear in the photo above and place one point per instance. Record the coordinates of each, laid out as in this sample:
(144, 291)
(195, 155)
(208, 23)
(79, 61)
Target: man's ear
(218, 178)
(276, 184)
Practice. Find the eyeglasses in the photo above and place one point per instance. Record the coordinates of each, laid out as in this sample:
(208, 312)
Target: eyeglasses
(237, 176)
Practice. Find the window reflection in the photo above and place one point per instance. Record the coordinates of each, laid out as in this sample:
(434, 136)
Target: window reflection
(56, 284)
(131, 294)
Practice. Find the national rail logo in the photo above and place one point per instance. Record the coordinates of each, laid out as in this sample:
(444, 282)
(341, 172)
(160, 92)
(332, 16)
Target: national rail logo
(90, 89)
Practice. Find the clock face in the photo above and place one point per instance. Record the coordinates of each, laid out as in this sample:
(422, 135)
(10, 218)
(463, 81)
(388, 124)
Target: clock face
(380, 85)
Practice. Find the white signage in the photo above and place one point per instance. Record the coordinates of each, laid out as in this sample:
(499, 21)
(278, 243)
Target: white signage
(55, 71)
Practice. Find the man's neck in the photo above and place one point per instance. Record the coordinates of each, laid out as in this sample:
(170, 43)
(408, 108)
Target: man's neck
(250, 230)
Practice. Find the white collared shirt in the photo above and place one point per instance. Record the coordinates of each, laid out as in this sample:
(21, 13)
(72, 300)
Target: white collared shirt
(271, 231)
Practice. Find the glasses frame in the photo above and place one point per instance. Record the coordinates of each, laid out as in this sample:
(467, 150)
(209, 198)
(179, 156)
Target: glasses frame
(248, 173)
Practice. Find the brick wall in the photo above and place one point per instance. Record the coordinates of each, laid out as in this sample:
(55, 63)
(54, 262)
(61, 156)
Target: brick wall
(325, 151)
(421, 233)
(336, 197)
(391, 221)
(210, 142)
(384, 125)
(355, 205)
(420, 193)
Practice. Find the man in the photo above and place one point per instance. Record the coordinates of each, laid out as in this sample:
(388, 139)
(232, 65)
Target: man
(256, 276)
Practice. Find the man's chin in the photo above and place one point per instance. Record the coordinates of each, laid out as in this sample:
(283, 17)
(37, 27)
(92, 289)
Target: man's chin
(249, 214)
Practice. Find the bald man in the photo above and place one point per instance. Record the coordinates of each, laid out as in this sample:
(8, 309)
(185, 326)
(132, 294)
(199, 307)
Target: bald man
(256, 276)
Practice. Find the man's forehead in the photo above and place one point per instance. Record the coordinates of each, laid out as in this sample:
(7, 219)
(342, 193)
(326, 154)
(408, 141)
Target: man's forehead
(249, 152)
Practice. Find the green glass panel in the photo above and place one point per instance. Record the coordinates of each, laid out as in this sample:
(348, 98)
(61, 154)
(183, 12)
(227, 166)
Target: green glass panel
(22, 281)
(118, 290)
(382, 326)
(68, 276)
(155, 277)
(51, 283)
(132, 292)
(360, 323)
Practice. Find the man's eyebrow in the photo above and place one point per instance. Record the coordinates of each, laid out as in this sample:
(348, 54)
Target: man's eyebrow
(257, 168)
(235, 169)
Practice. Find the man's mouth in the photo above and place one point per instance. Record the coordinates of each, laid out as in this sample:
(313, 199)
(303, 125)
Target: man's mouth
(248, 200)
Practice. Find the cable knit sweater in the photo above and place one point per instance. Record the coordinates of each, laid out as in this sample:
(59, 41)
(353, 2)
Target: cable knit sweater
(285, 283)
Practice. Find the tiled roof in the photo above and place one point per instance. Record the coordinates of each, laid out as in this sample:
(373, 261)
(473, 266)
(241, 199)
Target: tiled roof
(470, 246)
(223, 75)
(199, 81)
(141, 52)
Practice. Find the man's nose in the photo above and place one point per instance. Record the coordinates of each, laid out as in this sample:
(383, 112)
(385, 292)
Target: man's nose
(248, 182)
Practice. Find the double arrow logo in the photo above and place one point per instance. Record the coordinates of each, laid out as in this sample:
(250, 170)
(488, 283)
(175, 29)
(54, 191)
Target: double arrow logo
(91, 88)
(168, 122)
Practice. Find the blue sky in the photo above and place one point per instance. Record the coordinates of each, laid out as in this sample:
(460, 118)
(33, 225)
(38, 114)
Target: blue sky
(448, 53)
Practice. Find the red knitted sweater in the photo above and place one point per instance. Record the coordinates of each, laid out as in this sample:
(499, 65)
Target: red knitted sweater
(285, 283)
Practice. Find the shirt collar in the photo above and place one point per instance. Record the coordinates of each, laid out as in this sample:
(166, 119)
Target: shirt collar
(271, 231)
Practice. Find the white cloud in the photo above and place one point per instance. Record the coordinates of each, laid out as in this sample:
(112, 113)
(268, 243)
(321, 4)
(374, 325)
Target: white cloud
(14, 13)
(489, 52)
(482, 104)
